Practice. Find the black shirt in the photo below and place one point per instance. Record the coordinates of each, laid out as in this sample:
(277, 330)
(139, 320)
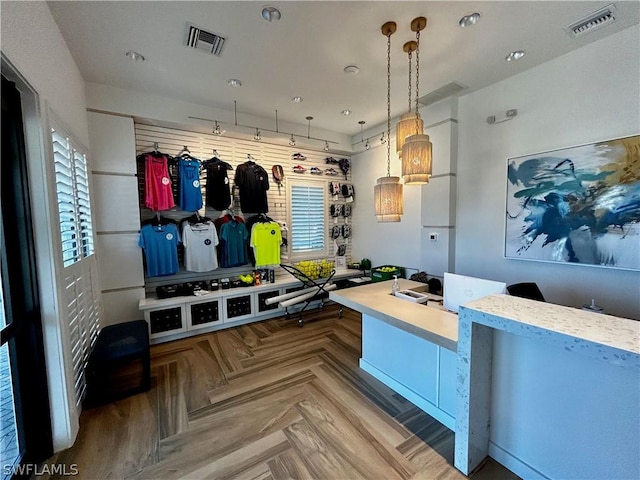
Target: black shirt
(253, 182)
(218, 195)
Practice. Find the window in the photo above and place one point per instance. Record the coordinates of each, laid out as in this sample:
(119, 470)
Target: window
(81, 298)
(308, 220)
(72, 192)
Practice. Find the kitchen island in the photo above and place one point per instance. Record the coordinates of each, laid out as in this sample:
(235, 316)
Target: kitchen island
(546, 390)
(408, 346)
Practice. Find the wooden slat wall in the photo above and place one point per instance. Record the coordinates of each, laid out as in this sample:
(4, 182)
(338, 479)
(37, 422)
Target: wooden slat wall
(235, 151)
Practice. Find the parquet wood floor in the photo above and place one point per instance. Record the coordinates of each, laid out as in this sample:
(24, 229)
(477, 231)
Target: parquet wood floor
(266, 401)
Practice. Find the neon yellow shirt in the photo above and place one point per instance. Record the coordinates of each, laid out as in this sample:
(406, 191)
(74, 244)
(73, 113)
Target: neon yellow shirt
(265, 240)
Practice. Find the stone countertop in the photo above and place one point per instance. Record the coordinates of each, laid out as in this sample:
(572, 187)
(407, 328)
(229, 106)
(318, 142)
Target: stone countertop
(430, 322)
(619, 333)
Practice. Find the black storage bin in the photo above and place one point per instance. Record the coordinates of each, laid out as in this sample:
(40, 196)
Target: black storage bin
(119, 364)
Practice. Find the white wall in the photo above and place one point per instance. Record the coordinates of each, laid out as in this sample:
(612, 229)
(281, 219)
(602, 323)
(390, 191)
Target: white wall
(171, 112)
(116, 216)
(438, 197)
(383, 243)
(34, 47)
(587, 95)
(427, 208)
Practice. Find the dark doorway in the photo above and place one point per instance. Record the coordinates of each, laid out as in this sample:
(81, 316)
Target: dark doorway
(24, 402)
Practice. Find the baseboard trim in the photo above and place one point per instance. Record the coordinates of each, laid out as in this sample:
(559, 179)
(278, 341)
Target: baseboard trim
(514, 464)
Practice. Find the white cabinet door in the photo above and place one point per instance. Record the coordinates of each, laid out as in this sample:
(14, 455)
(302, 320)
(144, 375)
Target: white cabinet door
(166, 321)
(259, 305)
(238, 306)
(203, 314)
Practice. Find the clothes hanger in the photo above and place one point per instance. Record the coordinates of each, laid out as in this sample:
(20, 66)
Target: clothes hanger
(155, 221)
(198, 219)
(186, 154)
(158, 220)
(155, 153)
(216, 160)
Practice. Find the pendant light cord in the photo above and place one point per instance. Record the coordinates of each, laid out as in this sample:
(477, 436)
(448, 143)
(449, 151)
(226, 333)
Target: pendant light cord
(410, 81)
(389, 103)
(417, 77)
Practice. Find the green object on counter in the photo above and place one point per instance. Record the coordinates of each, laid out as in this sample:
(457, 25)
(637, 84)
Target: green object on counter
(386, 272)
(365, 264)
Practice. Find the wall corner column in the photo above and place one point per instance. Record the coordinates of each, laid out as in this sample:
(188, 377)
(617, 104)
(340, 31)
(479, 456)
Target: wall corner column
(438, 197)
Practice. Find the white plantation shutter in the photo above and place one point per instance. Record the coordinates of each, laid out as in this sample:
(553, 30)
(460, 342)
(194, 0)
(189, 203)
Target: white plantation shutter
(83, 203)
(308, 219)
(74, 203)
(75, 331)
(81, 289)
(63, 161)
(82, 305)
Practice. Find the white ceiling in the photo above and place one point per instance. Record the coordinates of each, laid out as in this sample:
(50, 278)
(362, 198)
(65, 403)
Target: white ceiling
(306, 51)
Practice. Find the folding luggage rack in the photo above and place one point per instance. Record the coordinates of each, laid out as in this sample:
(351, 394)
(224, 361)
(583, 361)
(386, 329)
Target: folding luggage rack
(320, 293)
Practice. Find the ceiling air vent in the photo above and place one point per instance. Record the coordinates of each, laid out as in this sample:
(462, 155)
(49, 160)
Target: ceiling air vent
(200, 39)
(598, 19)
(449, 90)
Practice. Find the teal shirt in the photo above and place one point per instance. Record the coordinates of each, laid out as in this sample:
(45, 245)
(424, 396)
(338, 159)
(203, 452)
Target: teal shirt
(234, 237)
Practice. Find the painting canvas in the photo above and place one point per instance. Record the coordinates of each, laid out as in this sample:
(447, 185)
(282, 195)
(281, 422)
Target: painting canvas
(578, 205)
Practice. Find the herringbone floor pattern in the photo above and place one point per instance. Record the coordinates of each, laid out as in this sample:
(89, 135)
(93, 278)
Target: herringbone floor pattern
(266, 401)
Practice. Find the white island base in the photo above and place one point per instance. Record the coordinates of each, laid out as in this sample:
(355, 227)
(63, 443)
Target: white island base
(420, 371)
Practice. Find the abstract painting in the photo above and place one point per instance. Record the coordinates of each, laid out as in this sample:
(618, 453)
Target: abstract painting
(578, 205)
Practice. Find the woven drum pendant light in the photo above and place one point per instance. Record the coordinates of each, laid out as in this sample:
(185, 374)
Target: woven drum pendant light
(407, 124)
(416, 159)
(417, 149)
(388, 199)
(405, 128)
(387, 193)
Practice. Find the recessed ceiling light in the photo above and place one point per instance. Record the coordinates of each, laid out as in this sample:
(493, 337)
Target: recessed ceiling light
(351, 70)
(513, 56)
(234, 82)
(297, 99)
(346, 112)
(138, 57)
(469, 20)
(270, 13)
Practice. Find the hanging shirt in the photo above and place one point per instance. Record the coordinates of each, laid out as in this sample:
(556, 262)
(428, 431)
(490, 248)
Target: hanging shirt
(251, 221)
(157, 184)
(233, 236)
(253, 182)
(200, 240)
(160, 245)
(218, 194)
(266, 239)
(190, 193)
